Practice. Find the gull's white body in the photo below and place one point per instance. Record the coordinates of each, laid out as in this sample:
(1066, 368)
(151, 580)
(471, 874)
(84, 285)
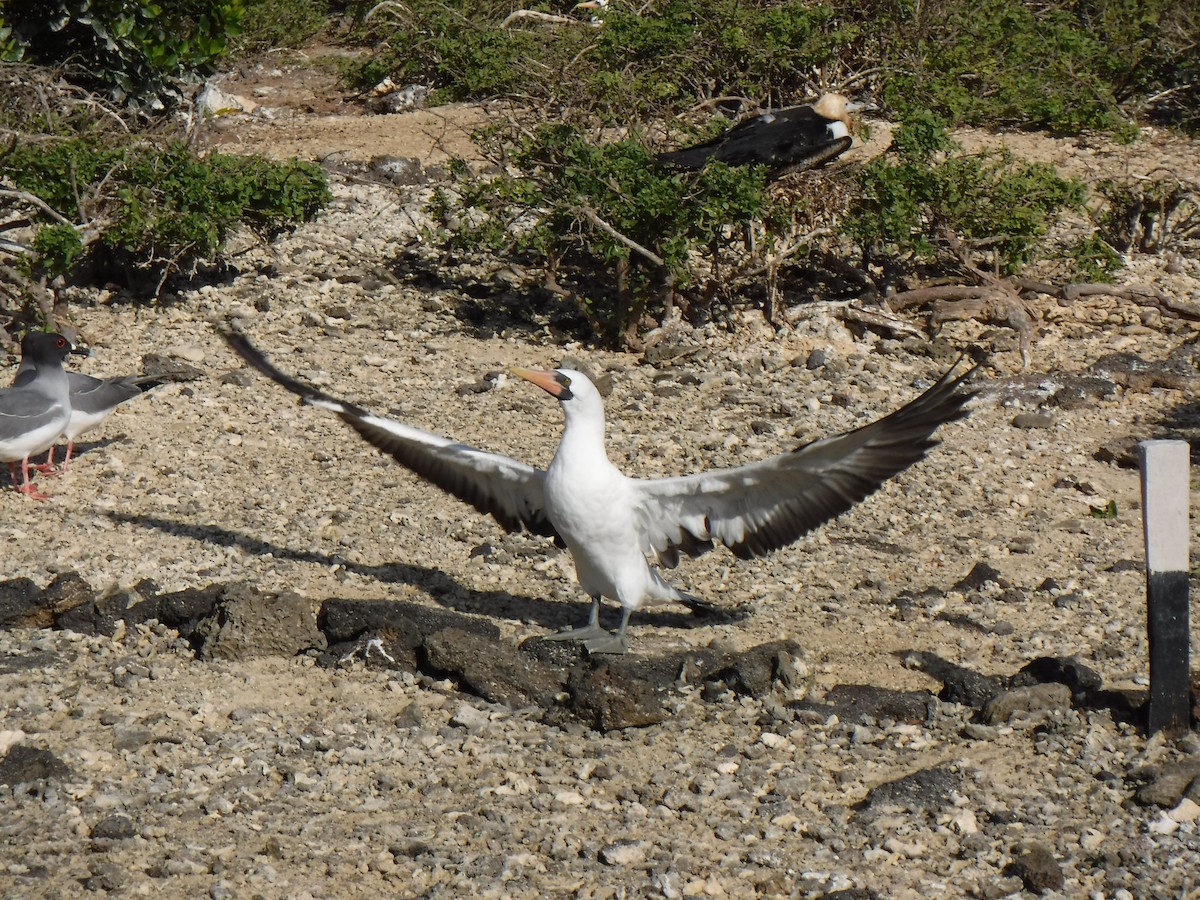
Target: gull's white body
(34, 413)
(92, 400)
(612, 524)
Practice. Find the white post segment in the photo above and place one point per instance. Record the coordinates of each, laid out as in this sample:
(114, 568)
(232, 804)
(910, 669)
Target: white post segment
(1165, 504)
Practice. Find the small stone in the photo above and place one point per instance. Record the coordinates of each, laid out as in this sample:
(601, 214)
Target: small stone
(114, 828)
(1172, 782)
(1037, 868)
(981, 573)
(9, 739)
(469, 717)
(1034, 698)
(1033, 420)
(623, 853)
(1188, 810)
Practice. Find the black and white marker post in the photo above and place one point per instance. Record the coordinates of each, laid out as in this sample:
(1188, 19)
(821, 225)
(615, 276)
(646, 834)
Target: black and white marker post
(1164, 466)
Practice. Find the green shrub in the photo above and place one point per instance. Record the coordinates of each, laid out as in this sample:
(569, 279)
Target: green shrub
(647, 61)
(158, 208)
(274, 24)
(1063, 66)
(1093, 260)
(567, 183)
(55, 249)
(134, 50)
(924, 194)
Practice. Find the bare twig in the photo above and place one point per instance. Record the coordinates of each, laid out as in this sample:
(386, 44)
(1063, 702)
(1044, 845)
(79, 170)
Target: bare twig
(539, 16)
(390, 5)
(590, 214)
(879, 318)
(1139, 293)
(34, 200)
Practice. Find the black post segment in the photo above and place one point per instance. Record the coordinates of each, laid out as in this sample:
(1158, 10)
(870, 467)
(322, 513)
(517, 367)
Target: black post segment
(1165, 487)
(1167, 622)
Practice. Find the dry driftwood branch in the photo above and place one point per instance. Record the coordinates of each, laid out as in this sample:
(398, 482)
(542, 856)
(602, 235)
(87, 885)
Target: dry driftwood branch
(34, 200)
(1138, 293)
(997, 305)
(390, 5)
(879, 318)
(549, 18)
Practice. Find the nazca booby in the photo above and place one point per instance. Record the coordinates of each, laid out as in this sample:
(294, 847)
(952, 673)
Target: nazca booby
(92, 401)
(611, 523)
(785, 140)
(34, 413)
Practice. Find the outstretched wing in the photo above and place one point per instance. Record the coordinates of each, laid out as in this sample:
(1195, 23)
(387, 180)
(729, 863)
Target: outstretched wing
(505, 488)
(761, 507)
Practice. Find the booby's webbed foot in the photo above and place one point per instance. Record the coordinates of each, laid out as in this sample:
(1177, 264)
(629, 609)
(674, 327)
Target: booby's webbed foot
(585, 633)
(612, 644)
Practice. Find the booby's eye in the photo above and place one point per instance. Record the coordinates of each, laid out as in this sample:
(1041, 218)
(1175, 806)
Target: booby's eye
(564, 381)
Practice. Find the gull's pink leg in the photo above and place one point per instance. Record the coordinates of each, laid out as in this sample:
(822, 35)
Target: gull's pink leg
(48, 466)
(26, 487)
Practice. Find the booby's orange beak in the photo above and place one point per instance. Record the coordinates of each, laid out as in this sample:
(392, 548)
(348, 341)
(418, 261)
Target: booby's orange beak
(547, 381)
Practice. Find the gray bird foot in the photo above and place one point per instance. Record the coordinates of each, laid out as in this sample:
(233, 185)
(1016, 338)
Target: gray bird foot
(613, 644)
(583, 633)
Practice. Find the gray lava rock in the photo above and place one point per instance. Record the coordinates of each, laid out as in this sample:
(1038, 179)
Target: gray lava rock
(181, 609)
(1121, 452)
(114, 828)
(981, 573)
(494, 669)
(1037, 868)
(401, 627)
(397, 170)
(1082, 392)
(926, 790)
(606, 700)
(1082, 680)
(854, 702)
(754, 672)
(247, 623)
(100, 615)
(20, 603)
(24, 764)
(1032, 698)
(1170, 783)
(960, 684)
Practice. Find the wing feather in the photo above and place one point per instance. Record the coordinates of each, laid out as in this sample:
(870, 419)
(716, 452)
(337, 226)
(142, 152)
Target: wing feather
(510, 491)
(761, 507)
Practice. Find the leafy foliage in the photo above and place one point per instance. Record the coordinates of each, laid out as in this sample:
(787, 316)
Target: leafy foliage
(134, 50)
(272, 24)
(55, 249)
(642, 61)
(578, 205)
(1065, 66)
(924, 193)
(157, 208)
